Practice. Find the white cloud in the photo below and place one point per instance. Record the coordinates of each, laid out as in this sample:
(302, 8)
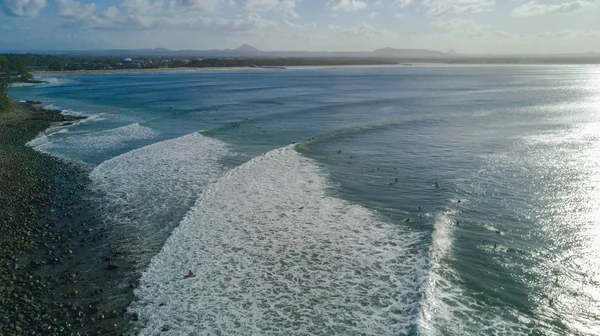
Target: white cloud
(286, 6)
(461, 27)
(142, 6)
(194, 5)
(373, 14)
(442, 7)
(74, 10)
(110, 13)
(29, 8)
(534, 8)
(345, 5)
(439, 8)
(360, 30)
(288, 9)
(404, 3)
(260, 5)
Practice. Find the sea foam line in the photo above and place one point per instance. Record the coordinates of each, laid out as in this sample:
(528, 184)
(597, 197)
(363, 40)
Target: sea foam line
(89, 142)
(146, 192)
(275, 254)
(446, 307)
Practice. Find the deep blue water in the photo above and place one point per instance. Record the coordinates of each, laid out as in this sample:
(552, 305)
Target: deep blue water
(345, 232)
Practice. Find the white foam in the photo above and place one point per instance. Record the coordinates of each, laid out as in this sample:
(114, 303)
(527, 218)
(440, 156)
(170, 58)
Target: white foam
(147, 191)
(16, 85)
(56, 80)
(446, 309)
(274, 254)
(91, 141)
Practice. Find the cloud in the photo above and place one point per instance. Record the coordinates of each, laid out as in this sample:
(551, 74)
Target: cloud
(345, 5)
(360, 30)
(110, 13)
(462, 27)
(404, 3)
(439, 8)
(286, 6)
(260, 5)
(443, 7)
(534, 8)
(29, 8)
(142, 6)
(74, 10)
(288, 9)
(194, 5)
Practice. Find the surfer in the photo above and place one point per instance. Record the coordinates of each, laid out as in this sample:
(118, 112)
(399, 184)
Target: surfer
(190, 275)
(436, 185)
(339, 151)
(396, 180)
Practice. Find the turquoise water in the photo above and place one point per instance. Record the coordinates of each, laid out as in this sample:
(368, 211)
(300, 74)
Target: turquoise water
(278, 188)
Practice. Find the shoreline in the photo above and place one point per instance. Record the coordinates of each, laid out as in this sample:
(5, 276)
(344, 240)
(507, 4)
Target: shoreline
(291, 67)
(189, 69)
(61, 269)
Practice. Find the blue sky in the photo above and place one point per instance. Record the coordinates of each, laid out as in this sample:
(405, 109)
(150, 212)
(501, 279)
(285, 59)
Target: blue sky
(467, 26)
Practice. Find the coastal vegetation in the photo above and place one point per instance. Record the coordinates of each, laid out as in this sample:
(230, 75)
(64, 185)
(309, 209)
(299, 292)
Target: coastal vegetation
(4, 70)
(21, 64)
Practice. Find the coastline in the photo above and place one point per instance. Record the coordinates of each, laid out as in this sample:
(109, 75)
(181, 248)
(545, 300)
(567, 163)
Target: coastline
(59, 264)
(291, 67)
(189, 69)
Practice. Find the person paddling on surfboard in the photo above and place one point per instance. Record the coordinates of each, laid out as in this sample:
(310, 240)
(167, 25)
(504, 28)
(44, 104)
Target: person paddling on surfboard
(190, 275)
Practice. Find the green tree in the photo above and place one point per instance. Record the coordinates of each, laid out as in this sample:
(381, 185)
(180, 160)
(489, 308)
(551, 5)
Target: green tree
(4, 100)
(22, 70)
(3, 64)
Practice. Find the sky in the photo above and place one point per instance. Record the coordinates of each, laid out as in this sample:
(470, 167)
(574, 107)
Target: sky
(465, 26)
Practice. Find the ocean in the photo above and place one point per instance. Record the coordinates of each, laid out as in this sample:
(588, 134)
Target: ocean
(423, 200)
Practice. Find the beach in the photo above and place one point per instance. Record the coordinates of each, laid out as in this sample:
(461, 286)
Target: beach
(192, 69)
(50, 275)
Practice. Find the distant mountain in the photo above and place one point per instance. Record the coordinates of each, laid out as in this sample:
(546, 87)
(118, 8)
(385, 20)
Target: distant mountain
(249, 51)
(246, 48)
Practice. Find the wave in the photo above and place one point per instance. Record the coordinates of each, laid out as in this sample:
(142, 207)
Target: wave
(90, 142)
(448, 307)
(147, 191)
(275, 254)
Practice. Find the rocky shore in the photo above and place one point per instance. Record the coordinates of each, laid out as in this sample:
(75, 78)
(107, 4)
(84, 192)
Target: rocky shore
(62, 271)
